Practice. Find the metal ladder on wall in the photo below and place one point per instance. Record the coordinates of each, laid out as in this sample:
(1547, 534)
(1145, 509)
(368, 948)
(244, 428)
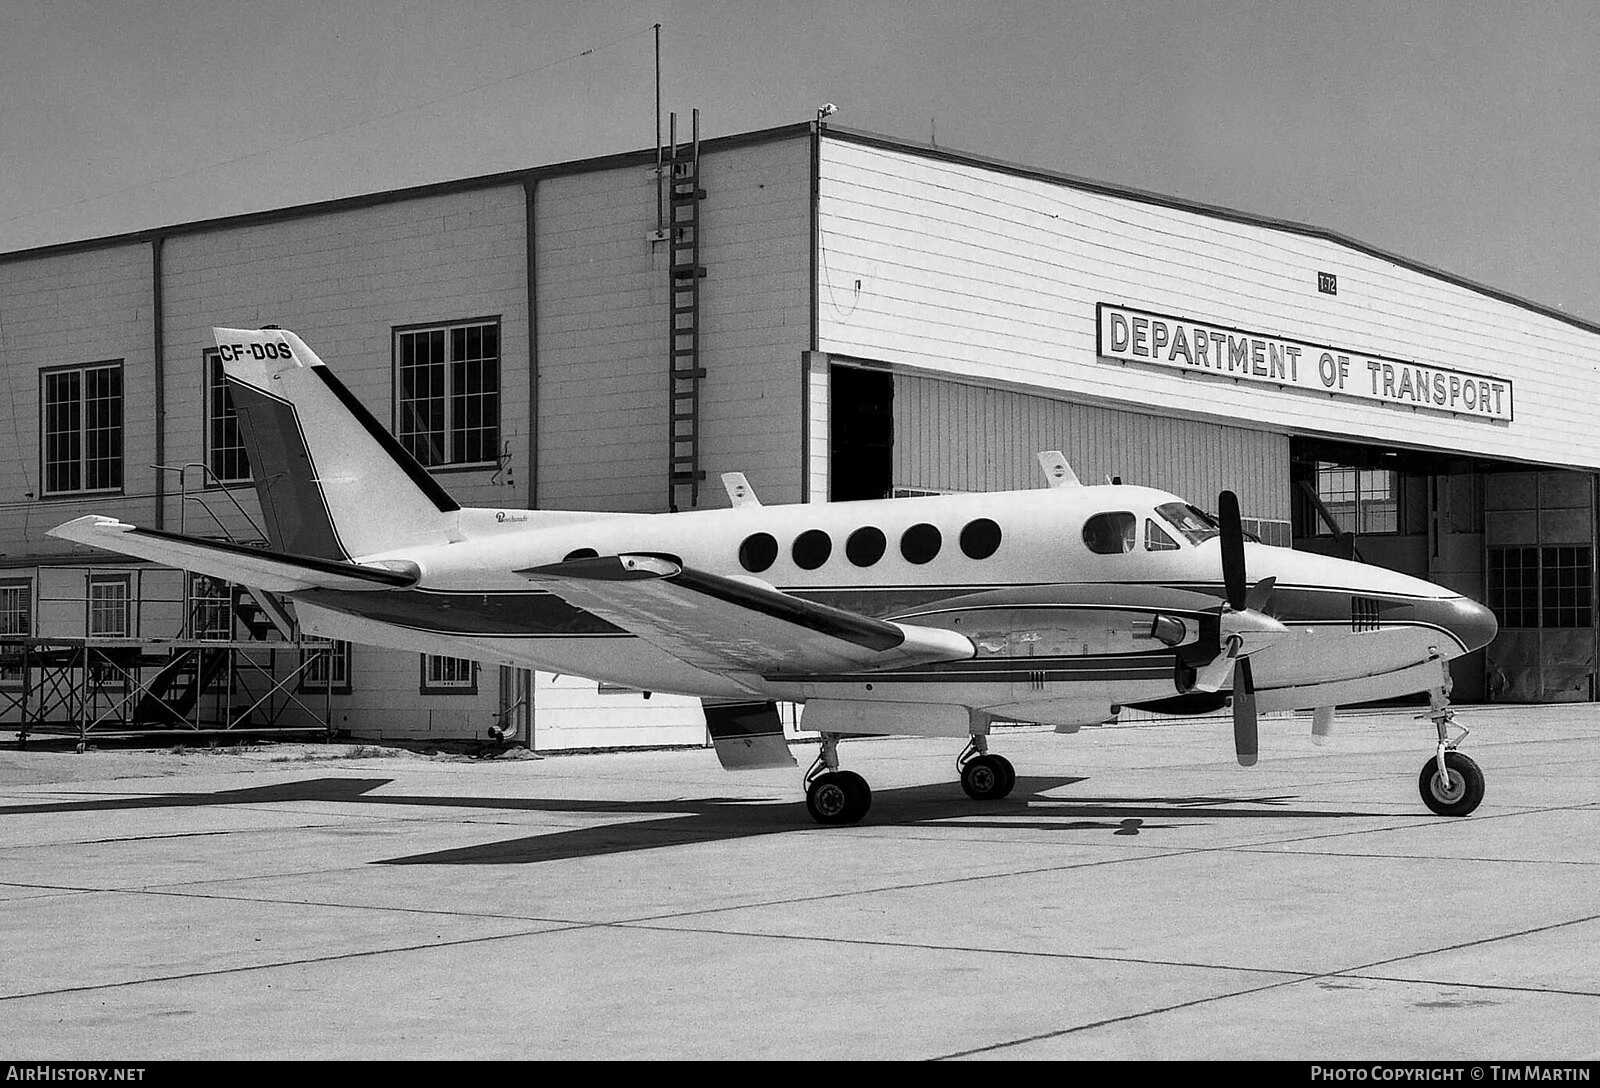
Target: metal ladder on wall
(684, 272)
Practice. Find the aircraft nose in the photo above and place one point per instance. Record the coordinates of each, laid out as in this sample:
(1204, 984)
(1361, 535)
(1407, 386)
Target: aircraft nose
(1468, 621)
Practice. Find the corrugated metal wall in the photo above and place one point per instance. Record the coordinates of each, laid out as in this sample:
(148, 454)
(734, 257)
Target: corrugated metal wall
(950, 436)
(984, 275)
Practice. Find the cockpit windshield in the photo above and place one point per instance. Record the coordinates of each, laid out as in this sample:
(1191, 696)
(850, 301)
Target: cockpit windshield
(1191, 521)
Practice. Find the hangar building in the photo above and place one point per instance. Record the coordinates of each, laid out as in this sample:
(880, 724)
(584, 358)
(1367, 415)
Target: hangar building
(837, 315)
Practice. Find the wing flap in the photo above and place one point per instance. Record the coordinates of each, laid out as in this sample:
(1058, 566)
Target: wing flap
(731, 625)
(274, 572)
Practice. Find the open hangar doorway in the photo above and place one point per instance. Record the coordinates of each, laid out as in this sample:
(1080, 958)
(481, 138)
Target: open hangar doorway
(1519, 538)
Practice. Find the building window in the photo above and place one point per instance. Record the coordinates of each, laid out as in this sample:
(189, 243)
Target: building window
(225, 452)
(210, 608)
(1360, 500)
(1567, 584)
(447, 392)
(82, 431)
(108, 606)
(326, 668)
(449, 675)
(1542, 587)
(16, 622)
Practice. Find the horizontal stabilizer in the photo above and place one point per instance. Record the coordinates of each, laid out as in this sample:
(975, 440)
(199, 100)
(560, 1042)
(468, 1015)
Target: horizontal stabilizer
(732, 625)
(274, 572)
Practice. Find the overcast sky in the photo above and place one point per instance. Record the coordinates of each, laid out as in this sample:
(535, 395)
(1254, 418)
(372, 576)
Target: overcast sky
(1460, 134)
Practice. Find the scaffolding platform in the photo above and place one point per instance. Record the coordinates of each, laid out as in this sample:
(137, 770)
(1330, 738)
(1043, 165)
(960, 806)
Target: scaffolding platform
(108, 688)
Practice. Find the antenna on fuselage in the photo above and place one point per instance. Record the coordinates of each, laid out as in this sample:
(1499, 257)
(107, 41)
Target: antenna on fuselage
(740, 493)
(1057, 472)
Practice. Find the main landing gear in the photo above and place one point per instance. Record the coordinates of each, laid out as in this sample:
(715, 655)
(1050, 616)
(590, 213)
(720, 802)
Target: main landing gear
(834, 796)
(985, 777)
(843, 797)
(1458, 789)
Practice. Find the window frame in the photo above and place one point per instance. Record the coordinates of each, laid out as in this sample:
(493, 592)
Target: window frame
(1541, 596)
(217, 383)
(431, 685)
(12, 679)
(221, 602)
(82, 460)
(448, 396)
(339, 661)
(125, 581)
(1358, 500)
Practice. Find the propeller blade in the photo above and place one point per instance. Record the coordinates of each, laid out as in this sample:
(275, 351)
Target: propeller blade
(1244, 714)
(1260, 595)
(1232, 548)
(1214, 675)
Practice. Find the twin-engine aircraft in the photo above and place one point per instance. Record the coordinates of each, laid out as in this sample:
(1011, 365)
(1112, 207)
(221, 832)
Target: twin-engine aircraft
(934, 616)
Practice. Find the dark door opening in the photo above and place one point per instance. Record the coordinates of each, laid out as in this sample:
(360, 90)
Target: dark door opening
(860, 434)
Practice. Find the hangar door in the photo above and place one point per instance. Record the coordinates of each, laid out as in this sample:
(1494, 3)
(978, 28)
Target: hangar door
(950, 436)
(1539, 530)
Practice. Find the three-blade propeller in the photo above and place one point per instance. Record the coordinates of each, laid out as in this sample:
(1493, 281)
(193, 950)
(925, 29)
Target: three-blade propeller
(1243, 627)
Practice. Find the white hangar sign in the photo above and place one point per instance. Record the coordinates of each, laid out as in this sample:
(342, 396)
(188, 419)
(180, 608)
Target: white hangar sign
(1137, 336)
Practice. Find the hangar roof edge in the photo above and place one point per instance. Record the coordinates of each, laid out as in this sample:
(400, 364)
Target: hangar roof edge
(523, 175)
(1214, 211)
(783, 132)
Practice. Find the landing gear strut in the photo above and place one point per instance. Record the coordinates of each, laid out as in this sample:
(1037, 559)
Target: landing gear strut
(834, 796)
(1451, 783)
(985, 777)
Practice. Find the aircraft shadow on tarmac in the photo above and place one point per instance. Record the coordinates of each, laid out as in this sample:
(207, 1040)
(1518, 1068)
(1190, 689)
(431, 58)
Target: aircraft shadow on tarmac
(687, 821)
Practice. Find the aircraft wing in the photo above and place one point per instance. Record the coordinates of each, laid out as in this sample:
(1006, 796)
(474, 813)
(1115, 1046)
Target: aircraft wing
(274, 572)
(732, 626)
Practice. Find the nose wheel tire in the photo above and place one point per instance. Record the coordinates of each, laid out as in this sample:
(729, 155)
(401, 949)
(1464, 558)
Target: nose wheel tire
(838, 797)
(1458, 791)
(988, 777)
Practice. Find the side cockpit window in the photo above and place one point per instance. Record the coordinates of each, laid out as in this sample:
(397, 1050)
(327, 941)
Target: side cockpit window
(1111, 533)
(1156, 539)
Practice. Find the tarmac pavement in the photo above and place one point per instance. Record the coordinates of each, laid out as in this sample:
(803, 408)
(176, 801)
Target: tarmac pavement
(1138, 896)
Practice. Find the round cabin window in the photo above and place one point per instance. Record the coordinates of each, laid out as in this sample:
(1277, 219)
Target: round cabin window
(920, 543)
(811, 549)
(758, 552)
(865, 546)
(980, 539)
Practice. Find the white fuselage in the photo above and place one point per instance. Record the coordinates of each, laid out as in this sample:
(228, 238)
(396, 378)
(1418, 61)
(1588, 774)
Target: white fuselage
(1062, 632)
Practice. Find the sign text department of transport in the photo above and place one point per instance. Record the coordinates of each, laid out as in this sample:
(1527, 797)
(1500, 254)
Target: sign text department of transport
(1139, 336)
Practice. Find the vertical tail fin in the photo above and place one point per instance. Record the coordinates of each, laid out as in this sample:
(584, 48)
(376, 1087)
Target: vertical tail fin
(333, 482)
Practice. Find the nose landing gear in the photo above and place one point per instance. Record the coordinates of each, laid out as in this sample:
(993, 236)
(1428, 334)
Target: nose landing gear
(1451, 783)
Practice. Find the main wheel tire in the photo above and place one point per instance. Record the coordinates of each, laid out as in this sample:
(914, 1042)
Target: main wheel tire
(860, 794)
(1010, 773)
(838, 797)
(986, 778)
(1459, 793)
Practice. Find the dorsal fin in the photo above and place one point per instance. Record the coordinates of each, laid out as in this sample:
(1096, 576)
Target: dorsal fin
(1056, 469)
(740, 493)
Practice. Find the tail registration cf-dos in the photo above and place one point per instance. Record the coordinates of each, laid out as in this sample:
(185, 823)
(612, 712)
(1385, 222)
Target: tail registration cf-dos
(935, 616)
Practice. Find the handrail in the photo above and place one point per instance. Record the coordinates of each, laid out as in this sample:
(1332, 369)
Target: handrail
(207, 475)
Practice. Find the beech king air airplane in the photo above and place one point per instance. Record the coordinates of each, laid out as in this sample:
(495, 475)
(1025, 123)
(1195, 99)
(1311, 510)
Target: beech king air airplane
(934, 616)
